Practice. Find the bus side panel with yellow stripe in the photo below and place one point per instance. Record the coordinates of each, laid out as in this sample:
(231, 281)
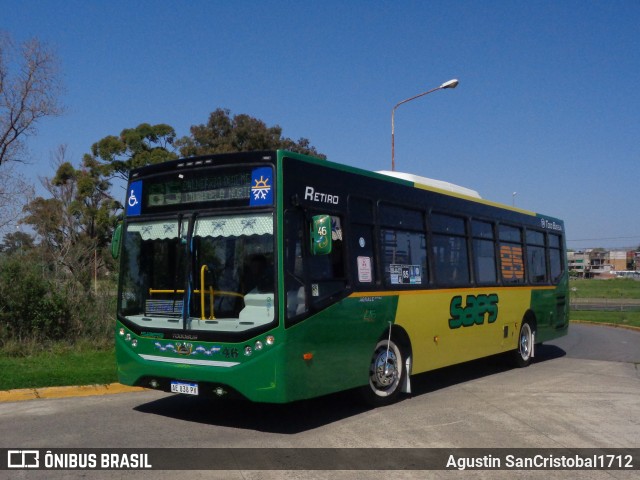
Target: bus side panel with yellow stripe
(485, 329)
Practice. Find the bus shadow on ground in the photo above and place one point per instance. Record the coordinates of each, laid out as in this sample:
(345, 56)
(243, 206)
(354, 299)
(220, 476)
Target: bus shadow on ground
(289, 418)
(484, 367)
(307, 415)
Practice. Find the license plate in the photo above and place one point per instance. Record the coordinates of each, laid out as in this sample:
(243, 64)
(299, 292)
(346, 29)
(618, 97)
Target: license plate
(187, 388)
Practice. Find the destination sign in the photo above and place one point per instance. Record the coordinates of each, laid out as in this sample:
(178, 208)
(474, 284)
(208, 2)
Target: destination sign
(244, 186)
(197, 190)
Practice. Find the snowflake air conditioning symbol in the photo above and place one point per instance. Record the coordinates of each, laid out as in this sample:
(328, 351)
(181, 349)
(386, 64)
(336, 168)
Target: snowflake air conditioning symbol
(261, 188)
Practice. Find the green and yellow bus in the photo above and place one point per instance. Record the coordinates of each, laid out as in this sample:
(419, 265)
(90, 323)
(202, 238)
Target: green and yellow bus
(277, 277)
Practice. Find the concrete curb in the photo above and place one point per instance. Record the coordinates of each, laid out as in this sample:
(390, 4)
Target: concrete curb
(64, 392)
(615, 325)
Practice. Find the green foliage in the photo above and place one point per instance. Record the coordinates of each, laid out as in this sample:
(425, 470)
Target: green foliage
(30, 306)
(39, 305)
(240, 133)
(65, 174)
(135, 147)
(76, 223)
(15, 242)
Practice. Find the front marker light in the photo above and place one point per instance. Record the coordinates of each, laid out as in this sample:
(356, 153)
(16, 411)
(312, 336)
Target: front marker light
(121, 332)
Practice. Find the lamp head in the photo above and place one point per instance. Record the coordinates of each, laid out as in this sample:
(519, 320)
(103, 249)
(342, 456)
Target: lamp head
(450, 84)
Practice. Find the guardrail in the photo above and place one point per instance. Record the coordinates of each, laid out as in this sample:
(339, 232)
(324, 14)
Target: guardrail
(606, 304)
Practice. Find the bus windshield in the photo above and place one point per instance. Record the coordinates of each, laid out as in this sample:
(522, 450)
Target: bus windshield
(200, 273)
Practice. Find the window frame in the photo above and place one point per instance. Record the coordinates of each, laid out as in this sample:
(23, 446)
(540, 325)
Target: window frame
(461, 235)
(516, 261)
(412, 223)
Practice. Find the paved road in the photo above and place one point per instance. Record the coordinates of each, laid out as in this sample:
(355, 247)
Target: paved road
(582, 391)
(594, 342)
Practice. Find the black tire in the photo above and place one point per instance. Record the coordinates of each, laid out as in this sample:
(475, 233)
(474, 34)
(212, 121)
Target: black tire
(522, 354)
(386, 374)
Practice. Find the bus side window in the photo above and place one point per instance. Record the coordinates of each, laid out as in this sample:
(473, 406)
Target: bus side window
(511, 257)
(555, 258)
(450, 249)
(536, 261)
(403, 246)
(484, 254)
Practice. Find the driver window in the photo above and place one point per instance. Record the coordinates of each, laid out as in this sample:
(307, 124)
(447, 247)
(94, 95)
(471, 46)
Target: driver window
(326, 272)
(311, 279)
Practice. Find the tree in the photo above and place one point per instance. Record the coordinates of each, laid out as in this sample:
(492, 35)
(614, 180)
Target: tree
(16, 242)
(15, 192)
(29, 89)
(76, 223)
(240, 133)
(135, 147)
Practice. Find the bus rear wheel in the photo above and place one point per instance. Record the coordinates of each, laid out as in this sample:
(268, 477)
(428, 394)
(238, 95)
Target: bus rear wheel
(386, 374)
(523, 353)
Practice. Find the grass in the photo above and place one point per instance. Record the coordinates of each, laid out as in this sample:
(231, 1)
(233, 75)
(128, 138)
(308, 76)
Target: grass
(59, 367)
(611, 290)
(616, 318)
(614, 288)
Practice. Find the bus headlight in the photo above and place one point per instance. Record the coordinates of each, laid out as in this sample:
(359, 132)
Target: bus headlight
(270, 340)
(247, 350)
(258, 345)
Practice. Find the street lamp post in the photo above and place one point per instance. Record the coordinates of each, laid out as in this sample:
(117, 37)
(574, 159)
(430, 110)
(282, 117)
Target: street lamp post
(450, 84)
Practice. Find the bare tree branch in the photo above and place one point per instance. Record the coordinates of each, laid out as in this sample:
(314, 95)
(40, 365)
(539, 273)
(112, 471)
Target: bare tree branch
(15, 192)
(27, 94)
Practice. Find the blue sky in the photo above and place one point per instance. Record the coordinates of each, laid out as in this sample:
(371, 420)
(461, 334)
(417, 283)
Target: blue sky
(548, 104)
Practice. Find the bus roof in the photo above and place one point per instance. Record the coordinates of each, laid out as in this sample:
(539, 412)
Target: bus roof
(432, 182)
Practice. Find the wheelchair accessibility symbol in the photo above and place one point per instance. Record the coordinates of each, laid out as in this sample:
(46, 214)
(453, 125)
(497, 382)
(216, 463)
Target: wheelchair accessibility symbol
(133, 201)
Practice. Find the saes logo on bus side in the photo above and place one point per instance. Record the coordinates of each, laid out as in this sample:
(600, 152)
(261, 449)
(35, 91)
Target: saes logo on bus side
(476, 309)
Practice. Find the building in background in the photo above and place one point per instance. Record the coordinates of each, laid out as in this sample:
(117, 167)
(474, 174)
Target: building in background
(601, 263)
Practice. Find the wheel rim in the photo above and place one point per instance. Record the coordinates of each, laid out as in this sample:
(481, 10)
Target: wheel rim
(525, 341)
(385, 370)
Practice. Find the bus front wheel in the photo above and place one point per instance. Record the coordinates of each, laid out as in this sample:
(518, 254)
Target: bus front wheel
(386, 374)
(523, 353)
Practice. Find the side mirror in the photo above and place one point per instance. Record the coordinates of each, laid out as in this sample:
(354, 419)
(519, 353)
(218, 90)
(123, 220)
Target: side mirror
(116, 240)
(321, 235)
